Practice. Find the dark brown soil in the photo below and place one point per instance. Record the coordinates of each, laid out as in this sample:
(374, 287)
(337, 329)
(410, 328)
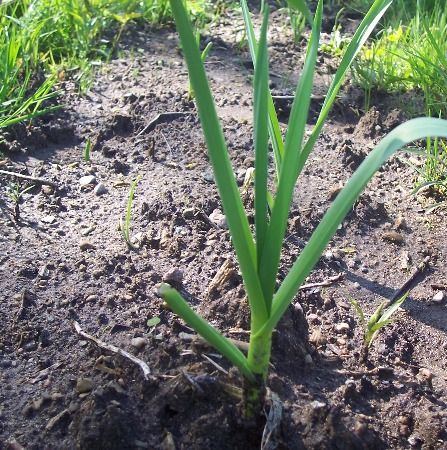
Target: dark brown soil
(63, 260)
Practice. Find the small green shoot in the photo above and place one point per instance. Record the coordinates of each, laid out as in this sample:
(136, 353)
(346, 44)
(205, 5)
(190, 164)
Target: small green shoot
(376, 321)
(125, 226)
(14, 192)
(88, 146)
(153, 321)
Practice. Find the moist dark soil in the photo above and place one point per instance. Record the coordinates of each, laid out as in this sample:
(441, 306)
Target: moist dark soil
(64, 261)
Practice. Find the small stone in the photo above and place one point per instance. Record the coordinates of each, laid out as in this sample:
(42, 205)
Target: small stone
(208, 176)
(414, 441)
(100, 189)
(48, 219)
(47, 190)
(438, 298)
(128, 297)
(218, 218)
(44, 273)
(174, 275)
(317, 405)
(313, 318)
(393, 236)
(5, 363)
(88, 179)
(360, 428)
(425, 374)
(342, 327)
(85, 244)
(92, 298)
(56, 396)
(405, 420)
(400, 223)
(308, 359)
(139, 342)
(30, 347)
(84, 385)
(188, 213)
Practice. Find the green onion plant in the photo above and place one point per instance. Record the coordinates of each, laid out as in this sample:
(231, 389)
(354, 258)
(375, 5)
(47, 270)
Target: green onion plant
(258, 251)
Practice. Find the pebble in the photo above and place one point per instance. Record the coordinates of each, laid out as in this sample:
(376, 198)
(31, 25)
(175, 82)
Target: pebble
(100, 189)
(393, 236)
(85, 244)
(5, 363)
(88, 179)
(209, 176)
(44, 273)
(308, 359)
(359, 428)
(317, 405)
(138, 342)
(188, 213)
(48, 219)
(438, 298)
(313, 318)
(84, 385)
(425, 374)
(342, 327)
(174, 275)
(400, 223)
(218, 218)
(92, 298)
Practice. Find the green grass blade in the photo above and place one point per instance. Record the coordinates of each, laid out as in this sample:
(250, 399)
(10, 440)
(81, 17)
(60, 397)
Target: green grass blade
(301, 6)
(260, 98)
(360, 36)
(229, 193)
(177, 303)
(390, 311)
(273, 124)
(287, 176)
(402, 135)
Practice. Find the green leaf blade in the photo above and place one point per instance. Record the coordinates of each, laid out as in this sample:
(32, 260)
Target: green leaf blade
(177, 303)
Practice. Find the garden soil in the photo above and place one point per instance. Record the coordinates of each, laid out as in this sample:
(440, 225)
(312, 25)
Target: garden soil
(91, 358)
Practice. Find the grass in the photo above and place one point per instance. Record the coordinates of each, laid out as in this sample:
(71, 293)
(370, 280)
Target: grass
(45, 41)
(376, 322)
(258, 251)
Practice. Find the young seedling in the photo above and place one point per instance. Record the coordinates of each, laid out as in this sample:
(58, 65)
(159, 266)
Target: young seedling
(376, 322)
(88, 146)
(125, 226)
(258, 253)
(15, 192)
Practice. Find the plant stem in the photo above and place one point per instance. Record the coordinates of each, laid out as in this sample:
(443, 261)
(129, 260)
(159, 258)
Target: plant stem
(258, 362)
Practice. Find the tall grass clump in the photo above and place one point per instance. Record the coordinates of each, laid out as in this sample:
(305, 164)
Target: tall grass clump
(258, 251)
(44, 40)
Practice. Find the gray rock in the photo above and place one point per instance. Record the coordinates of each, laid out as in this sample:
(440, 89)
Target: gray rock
(88, 179)
(100, 189)
(138, 342)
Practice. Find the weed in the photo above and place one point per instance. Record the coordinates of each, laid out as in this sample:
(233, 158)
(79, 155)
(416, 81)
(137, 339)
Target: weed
(376, 322)
(15, 192)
